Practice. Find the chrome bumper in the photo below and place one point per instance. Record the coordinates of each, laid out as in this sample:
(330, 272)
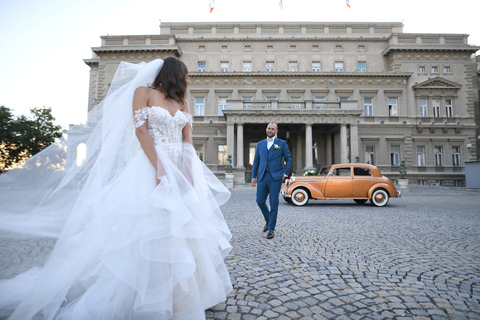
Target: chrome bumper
(399, 194)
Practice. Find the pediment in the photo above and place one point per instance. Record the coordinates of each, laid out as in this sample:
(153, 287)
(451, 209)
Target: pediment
(437, 83)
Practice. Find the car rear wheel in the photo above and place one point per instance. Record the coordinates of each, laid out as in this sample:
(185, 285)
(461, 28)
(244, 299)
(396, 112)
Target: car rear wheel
(379, 198)
(300, 197)
(360, 201)
(287, 200)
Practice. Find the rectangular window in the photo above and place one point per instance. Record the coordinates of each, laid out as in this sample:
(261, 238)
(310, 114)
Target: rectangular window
(222, 105)
(270, 66)
(421, 69)
(296, 105)
(318, 105)
(368, 106)
(338, 66)
(392, 107)
(224, 66)
(316, 66)
(436, 108)
(362, 66)
(199, 106)
(293, 66)
(434, 69)
(199, 149)
(395, 155)
(421, 156)
(423, 108)
(438, 156)
(222, 154)
(456, 156)
(449, 108)
(201, 66)
(247, 66)
(446, 69)
(247, 105)
(370, 155)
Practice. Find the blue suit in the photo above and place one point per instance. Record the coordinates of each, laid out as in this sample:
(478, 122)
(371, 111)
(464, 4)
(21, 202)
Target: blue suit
(268, 169)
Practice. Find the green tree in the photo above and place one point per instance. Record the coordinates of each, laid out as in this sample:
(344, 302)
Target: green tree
(22, 137)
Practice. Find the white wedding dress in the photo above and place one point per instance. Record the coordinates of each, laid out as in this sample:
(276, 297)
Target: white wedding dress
(135, 249)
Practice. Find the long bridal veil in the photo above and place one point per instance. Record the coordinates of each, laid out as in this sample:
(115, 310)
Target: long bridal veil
(108, 260)
(37, 197)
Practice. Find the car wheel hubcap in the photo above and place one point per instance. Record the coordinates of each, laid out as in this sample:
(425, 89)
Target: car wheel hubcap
(299, 197)
(379, 197)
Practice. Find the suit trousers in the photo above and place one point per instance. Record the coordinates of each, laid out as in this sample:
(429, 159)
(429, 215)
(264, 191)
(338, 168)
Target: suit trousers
(271, 188)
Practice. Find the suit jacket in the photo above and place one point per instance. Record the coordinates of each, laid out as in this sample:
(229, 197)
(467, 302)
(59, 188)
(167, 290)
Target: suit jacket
(271, 159)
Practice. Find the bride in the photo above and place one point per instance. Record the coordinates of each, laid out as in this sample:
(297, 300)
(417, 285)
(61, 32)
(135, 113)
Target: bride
(139, 226)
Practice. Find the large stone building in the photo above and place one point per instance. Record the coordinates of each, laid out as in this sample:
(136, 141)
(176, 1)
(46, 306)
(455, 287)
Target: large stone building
(340, 92)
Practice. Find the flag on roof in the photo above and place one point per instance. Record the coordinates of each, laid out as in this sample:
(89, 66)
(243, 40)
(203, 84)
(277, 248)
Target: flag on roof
(281, 4)
(211, 5)
(348, 3)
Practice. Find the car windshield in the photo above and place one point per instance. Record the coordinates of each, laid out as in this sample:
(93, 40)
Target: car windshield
(324, 171)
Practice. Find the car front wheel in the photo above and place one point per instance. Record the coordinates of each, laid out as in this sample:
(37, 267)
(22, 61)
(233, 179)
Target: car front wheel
(379, 198)
(300, 197)
(287, 200)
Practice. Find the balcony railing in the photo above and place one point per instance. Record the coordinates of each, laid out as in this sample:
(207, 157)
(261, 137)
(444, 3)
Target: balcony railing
(324, 105)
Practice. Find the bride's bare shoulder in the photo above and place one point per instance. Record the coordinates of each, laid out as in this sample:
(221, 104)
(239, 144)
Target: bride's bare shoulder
(142, 91)
(186, 106)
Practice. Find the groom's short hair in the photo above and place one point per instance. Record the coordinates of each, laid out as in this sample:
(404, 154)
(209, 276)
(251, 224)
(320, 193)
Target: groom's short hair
(276, 126)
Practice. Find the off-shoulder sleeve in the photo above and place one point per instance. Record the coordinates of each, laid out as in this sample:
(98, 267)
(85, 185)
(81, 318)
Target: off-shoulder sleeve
(140, 116)
(189, 119)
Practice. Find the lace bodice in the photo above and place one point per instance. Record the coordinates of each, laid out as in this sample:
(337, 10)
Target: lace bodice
(165, 129)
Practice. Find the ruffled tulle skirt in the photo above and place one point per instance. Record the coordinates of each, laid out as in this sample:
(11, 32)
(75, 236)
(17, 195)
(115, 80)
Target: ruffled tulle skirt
(135, 250)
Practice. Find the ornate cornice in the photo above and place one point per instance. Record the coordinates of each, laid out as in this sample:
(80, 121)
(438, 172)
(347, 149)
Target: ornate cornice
(91, 62)
(134, 49)
(297, 79)
(283, 38)
(299, 74)
(431, 48)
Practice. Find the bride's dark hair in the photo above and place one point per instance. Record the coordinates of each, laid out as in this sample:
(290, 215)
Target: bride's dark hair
(172, 79)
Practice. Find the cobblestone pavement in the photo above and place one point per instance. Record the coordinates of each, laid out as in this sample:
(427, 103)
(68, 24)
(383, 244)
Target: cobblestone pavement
(416, 258)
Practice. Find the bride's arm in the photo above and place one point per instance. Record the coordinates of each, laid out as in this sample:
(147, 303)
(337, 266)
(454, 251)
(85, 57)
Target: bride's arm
(140, 101)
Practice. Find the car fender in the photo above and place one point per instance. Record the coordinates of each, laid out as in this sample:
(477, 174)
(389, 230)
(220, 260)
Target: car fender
(380, 185)
(314, 192)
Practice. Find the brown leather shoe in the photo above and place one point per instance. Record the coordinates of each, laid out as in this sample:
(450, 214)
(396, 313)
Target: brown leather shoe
(270, 234)
(265, 228)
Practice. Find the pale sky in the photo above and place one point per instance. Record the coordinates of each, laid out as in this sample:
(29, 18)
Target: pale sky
(43, 43)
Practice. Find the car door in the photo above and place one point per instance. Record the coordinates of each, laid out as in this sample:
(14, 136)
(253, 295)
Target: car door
(339, 183)
(362, 180)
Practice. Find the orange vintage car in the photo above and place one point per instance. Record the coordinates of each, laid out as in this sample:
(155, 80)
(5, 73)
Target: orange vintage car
(357, 181)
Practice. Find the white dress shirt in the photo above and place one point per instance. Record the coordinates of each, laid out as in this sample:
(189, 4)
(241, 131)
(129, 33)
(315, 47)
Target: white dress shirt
(270, 143)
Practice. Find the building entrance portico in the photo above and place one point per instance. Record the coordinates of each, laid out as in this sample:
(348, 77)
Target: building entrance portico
(313, 140)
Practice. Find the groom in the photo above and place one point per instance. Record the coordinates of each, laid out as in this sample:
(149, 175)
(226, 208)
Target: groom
(268, 167)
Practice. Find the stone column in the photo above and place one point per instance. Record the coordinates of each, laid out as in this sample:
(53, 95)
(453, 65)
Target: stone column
(230, 139)
(328, 149)
(240, 146)
(308, 147)
(353, 142)
(343, 143)
(299, 155)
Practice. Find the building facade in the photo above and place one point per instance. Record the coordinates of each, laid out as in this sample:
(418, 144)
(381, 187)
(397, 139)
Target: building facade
(339, 92)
